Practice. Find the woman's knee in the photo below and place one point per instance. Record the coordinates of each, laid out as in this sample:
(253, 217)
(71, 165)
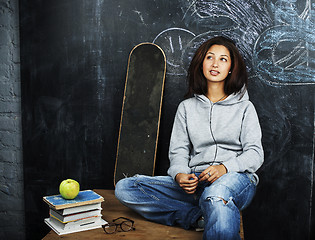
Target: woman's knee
(220, 205)
(217, 192)
(128, 189)
(122, 188)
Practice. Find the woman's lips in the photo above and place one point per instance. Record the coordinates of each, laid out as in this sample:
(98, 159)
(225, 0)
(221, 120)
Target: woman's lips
(214, 73)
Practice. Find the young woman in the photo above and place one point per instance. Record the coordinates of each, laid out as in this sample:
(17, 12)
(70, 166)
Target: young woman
(215, 150)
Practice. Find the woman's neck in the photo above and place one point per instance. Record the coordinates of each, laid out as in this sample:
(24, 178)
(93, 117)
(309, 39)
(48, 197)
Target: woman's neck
(216, 92)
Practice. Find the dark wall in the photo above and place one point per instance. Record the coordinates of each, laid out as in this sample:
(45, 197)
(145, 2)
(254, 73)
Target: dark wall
(73, 66)
(11, 162)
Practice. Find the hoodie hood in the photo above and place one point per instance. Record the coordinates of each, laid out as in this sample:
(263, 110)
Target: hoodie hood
(230, 100)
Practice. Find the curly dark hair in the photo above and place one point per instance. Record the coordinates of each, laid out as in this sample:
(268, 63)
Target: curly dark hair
(234, 82)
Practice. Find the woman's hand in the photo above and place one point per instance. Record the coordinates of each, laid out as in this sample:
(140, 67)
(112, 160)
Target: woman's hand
(212, 173)
(188, 182)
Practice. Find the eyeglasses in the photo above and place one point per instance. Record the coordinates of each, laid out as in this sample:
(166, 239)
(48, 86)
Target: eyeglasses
(126, 225)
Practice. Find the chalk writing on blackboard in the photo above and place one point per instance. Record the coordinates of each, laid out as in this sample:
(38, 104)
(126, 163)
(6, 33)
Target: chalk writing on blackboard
(174, 41)
(241, 21)
(284, 54)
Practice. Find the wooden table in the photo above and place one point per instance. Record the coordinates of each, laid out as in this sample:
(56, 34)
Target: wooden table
(145, 230)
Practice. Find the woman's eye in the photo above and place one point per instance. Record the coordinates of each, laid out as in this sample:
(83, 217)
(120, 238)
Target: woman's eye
(224, 59)
(209, 57)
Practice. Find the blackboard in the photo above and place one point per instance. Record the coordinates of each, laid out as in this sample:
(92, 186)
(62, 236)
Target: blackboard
(73, 62)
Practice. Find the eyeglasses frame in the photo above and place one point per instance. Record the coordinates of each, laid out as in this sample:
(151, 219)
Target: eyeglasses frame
(119, 224)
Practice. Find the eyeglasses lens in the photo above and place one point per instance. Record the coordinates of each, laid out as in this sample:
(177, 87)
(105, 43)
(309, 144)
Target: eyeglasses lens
(110, 228)
(126, 226)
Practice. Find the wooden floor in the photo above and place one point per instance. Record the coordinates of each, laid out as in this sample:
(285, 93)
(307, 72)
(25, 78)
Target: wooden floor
(145, 230)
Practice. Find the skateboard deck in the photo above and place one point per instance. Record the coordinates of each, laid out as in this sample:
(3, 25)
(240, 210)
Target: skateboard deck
(141, 111)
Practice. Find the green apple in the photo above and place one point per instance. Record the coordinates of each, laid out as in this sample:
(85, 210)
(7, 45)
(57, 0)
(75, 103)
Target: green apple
(69, 189)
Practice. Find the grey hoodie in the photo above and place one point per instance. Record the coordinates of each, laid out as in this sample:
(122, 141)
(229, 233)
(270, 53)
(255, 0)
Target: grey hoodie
(206, 133)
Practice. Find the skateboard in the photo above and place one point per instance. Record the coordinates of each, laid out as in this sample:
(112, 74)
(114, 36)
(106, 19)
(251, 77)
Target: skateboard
(141, 112)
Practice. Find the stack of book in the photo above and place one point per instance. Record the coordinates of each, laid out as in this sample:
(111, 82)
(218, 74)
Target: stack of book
(80, 214)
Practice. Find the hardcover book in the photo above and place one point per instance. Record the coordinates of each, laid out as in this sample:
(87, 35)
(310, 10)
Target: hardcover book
(83, 208)
(75, 216)
(86, 197)
(72, 227)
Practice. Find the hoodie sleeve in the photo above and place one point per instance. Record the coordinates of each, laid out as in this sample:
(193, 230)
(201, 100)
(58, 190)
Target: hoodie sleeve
(180, 145)
(252, 156)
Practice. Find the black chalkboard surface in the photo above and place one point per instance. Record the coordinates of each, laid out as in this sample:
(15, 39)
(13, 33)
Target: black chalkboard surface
(73, 59)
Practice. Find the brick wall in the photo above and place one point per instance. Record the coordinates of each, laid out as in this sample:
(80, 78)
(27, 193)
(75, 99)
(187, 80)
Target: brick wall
(11, 168)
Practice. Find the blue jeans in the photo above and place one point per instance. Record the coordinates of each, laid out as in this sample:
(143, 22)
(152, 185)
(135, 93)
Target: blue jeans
(160, 199)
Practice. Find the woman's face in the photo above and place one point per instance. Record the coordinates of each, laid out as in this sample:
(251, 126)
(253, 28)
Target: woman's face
(217, 63)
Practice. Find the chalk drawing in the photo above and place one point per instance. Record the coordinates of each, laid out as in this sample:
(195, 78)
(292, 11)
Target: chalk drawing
(276, 38)
(173, 41)
(284, 54)
(241, 21)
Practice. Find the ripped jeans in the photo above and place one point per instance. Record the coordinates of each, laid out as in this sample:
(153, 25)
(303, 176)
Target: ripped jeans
(160, 199)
